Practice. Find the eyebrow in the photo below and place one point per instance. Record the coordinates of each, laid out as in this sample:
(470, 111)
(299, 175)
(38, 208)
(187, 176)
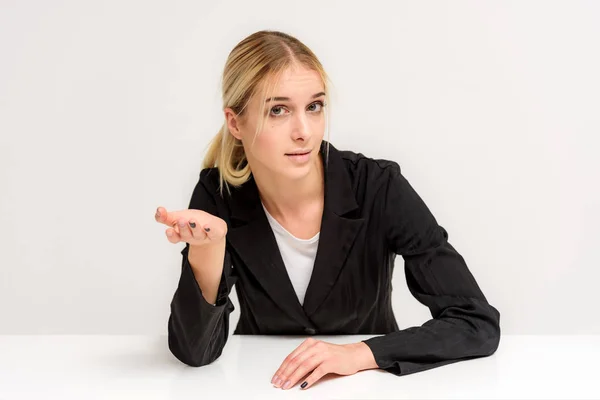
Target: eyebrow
(314, 96)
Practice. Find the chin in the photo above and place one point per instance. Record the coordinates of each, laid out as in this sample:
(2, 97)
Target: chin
(296, 173)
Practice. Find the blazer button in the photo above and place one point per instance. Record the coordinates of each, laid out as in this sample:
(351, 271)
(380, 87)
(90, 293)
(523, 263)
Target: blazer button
(310, 331)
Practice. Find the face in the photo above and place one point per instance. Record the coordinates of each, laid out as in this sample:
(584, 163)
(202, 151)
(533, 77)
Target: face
(294, 122)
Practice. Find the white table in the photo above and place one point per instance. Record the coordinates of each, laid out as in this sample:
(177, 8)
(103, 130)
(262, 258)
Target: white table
(132, 367)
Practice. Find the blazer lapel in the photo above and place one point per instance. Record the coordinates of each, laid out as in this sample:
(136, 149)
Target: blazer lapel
(339, 227)
(252, 238)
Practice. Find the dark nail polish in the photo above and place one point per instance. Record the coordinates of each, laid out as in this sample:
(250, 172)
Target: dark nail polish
(193, 224)
(207, 229)
(304, 384)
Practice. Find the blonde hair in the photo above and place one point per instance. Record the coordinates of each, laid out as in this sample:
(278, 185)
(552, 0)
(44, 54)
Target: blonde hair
(249, 66)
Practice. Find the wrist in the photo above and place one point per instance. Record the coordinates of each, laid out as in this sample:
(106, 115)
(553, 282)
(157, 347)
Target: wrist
(210, 245)
(364, 356)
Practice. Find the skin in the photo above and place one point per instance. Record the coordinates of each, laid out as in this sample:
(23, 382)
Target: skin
(293, 194)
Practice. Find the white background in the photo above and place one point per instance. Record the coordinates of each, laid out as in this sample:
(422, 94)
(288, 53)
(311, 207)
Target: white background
(106, 109)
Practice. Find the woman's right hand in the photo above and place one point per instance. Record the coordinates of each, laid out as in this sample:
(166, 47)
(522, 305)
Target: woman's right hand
(196, 227)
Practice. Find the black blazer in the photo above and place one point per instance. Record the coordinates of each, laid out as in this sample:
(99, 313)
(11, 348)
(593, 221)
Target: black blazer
(371, 213)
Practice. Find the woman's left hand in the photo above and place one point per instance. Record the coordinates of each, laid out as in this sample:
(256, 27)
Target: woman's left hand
(322, 358)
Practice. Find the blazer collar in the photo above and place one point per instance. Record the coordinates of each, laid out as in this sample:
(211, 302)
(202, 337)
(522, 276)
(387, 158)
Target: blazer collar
(252, 238)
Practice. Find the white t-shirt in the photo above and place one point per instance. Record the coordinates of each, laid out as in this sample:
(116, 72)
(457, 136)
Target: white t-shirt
(298, 255)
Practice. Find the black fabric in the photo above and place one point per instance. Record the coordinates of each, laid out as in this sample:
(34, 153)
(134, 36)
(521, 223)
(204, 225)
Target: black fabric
(371, 214)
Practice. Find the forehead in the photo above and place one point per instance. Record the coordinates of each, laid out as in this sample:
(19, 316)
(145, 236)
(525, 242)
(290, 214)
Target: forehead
(296, 82)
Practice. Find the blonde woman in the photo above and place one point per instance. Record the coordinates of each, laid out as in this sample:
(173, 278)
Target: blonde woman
(308, 235)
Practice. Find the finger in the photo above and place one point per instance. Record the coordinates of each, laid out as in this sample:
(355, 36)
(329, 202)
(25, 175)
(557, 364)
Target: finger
(173, 236)
(184, 230)
(197, 232)
(215, 228)
(304, 345)
(160, 214)
(211, 231)
(165, 217)
(317, 374)
(300, 362)
(308, 365)
(276, 380)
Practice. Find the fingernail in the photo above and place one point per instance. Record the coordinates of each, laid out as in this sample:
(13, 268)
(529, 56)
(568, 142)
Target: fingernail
(193, 224)
(274, 379)
(157, 213)
(207, 229)
(287, 385)
(303, 385)
(278, 382)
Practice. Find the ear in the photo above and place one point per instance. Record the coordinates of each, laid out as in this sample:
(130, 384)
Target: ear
(233, 123)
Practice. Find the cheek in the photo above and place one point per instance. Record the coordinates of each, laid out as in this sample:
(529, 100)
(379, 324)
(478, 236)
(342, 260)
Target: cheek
(320, 128)
(268, 144)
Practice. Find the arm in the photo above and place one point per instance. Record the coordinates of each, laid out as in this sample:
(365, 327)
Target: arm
(464, 324)
(206, 262)
(197, 329)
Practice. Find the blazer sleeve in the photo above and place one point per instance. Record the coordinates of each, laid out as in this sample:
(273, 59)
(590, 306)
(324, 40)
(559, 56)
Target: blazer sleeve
(197, 330)
(464, 324)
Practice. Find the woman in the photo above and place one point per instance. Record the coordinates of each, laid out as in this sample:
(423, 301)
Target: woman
(308, 234)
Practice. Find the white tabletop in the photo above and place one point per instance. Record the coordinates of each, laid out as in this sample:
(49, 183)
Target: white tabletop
(132, 367)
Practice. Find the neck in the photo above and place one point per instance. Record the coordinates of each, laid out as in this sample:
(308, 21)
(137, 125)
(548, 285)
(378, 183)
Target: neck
(284, 197)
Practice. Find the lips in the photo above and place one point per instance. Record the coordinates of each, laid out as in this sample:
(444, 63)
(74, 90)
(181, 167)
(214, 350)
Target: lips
(298, 154)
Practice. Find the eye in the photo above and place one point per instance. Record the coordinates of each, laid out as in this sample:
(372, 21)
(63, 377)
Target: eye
(318, 104)
(277, 111)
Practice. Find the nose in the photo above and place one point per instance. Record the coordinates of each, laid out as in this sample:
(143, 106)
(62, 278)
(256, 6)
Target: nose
(301, 127)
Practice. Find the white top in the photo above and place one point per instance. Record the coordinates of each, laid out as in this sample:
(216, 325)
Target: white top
(298, 255)
(98, 367)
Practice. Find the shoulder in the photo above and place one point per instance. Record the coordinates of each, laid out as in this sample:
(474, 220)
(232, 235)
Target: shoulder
(205, 189)
(209, 179)
(369, 169)
(379, 182)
